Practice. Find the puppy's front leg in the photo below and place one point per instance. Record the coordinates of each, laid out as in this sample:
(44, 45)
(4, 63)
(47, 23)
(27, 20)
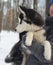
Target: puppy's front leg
(29, 38)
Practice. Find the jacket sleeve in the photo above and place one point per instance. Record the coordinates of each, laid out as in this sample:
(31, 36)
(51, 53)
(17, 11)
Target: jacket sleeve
(49, 28)
(49, 21)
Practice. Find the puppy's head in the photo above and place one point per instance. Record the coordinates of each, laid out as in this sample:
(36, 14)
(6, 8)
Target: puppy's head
(27, 17)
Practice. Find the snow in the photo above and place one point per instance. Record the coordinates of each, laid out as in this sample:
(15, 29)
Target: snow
(7, 41)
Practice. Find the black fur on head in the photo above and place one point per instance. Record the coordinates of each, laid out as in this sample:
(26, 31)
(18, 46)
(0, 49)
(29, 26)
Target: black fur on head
(31, 16)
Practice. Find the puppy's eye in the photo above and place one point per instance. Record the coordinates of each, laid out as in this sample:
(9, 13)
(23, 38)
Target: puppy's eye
(21, 16)
(21, 22)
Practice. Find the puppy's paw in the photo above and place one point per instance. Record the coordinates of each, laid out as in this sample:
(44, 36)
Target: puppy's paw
(29, 39)
(47, 50)
(28, 43)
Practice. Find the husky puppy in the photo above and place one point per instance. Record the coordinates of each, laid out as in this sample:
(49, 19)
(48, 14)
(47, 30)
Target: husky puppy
(31, 21)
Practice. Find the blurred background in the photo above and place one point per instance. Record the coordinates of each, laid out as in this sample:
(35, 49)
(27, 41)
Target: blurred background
(9, 11)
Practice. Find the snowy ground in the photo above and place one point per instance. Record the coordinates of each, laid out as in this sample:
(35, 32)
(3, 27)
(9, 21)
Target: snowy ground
(7, 40)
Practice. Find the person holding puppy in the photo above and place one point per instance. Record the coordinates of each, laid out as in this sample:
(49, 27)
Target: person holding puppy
(49, 22)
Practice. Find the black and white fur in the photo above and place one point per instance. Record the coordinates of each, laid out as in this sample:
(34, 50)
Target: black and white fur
(30, 21)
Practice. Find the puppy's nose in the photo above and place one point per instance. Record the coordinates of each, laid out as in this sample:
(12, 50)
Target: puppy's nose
(15, 30)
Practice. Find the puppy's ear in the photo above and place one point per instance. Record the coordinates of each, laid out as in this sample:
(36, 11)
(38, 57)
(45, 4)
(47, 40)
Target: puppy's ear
(22, 10)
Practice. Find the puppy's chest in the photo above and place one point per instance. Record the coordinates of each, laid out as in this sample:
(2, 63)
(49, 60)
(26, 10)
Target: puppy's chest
(39, 32)
(39, 36)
